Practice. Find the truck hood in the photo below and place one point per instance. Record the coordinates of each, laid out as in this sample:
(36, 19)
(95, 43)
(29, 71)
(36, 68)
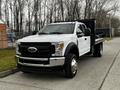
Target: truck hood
(47, 38)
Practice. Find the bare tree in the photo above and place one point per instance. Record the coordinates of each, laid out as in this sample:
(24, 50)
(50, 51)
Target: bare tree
(115, 22)
(0, 9)
(36, 9)
(73, 9)
(61, 6)
(21, 5)
(28, 15)
(88, 8)
(6, 12)
(103, 9)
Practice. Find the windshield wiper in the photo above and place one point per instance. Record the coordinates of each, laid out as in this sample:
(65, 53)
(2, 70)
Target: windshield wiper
(56, 33)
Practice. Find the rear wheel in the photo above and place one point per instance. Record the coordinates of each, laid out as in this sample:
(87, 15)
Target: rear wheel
(98, 50)
(71, 65)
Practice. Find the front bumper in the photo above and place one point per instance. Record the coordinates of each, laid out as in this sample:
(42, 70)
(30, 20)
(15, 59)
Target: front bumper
(54, 61)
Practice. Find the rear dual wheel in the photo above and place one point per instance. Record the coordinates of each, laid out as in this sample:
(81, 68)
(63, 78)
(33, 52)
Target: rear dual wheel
(98, 50)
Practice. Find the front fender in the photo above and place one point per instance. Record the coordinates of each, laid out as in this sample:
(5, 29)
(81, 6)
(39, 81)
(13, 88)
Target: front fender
(72, 48)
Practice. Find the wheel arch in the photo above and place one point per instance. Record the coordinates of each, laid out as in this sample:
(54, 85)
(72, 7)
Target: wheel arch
(72, 48)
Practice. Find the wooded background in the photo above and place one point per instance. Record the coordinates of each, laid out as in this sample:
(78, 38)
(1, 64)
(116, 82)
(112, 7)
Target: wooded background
(29, 15)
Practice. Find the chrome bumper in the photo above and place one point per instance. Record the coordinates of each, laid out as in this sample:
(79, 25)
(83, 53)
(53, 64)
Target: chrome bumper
(56, 61)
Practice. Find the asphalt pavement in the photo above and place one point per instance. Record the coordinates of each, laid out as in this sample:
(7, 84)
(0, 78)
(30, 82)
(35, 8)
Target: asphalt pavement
(93, 74)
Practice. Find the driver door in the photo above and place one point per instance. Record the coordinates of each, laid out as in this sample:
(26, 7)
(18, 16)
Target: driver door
(81, 40)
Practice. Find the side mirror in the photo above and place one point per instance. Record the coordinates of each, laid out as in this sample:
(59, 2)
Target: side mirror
(80, 34)
(87, 32)
(34, 32)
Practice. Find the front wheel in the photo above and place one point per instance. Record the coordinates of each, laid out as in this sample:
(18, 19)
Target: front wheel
(71, 65)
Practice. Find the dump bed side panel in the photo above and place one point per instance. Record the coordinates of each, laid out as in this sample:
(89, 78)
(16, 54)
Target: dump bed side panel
(99, 40)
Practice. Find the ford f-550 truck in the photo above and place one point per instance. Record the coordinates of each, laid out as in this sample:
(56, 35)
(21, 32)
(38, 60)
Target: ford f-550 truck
(59, 45)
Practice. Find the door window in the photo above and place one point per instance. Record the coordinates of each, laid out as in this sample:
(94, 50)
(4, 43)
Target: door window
(80, 29)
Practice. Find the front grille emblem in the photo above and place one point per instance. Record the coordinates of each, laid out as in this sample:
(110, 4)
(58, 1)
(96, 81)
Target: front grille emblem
(32, 49)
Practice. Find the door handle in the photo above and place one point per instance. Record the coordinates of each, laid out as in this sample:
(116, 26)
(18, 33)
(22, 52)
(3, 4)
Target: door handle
(85, 38)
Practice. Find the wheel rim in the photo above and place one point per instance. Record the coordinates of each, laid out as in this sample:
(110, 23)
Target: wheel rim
(74, 65)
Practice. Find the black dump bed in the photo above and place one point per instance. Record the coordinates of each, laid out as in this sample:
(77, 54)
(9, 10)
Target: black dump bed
(91, 23)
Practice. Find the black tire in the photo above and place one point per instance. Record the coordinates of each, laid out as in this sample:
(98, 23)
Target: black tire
(70, 65)
(98, 50)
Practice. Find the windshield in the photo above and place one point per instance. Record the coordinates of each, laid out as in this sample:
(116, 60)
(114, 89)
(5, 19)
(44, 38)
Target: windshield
(58, 29)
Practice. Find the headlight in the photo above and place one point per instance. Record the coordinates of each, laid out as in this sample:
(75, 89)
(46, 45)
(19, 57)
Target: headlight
(58, 48)
(17, 48)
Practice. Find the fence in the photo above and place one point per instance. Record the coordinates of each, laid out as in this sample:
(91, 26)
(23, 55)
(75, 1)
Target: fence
(3, 36)
(117, 32)
(105, 32)
(3, 40)
(13, 37)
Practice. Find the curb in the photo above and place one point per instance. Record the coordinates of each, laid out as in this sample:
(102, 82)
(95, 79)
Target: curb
(8, 72)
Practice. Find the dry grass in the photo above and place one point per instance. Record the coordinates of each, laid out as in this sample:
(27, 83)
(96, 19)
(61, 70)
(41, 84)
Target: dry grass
(7, 59)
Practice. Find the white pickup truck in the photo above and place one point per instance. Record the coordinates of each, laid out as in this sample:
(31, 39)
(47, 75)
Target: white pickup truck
(58, 46)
